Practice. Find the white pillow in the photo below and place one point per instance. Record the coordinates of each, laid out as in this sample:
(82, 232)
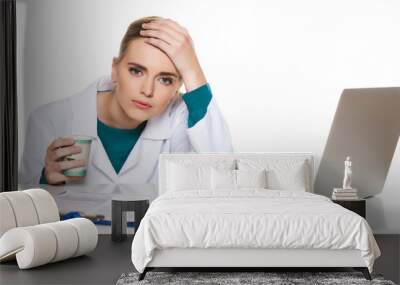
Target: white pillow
(236, 179)
(223, 179)
(282, 174)
(288, 179)
(251, 178)
(188, 177)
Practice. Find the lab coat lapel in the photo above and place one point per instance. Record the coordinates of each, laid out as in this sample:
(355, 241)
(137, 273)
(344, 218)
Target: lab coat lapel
(102, 162)
(84, 122)
(144, 155)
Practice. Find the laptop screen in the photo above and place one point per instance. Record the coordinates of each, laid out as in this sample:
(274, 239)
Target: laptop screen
(366, 127)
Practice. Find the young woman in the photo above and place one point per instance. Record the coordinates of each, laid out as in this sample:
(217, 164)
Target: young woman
(135, 114)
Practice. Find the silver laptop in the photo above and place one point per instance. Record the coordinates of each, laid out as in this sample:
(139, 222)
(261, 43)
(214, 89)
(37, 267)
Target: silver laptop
(366, 127)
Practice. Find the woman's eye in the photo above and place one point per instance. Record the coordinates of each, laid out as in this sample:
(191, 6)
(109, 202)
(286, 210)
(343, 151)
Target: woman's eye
(166, 80)
(135, 71)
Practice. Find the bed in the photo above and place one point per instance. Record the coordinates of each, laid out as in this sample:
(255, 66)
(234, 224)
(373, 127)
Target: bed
(246, 210)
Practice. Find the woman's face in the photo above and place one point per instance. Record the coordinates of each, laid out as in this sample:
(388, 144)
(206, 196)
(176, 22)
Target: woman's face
(146, 75)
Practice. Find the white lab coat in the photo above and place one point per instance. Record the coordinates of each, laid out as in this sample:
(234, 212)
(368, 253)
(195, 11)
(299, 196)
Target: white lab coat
(167, 132)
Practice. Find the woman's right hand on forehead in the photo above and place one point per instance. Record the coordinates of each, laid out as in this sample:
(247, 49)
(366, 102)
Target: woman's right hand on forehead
(55, 165)
(176, 42)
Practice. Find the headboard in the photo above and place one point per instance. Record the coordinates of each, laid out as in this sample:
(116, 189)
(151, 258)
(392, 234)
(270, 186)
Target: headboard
(214, 157)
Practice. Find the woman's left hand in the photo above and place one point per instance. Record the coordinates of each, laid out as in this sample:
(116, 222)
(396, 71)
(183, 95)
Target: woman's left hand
(175, 41)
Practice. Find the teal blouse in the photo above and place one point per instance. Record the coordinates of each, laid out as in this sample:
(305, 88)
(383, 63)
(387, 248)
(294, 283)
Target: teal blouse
(118, 143)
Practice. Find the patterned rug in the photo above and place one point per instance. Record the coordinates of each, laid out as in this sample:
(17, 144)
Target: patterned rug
(270, 278)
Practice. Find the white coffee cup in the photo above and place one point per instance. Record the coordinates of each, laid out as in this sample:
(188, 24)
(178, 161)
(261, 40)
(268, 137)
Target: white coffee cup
(84, 142)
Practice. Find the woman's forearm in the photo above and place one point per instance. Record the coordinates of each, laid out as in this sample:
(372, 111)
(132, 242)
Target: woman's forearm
(193, 79)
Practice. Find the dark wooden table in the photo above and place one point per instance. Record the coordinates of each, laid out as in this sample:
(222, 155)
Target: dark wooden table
(357, 206)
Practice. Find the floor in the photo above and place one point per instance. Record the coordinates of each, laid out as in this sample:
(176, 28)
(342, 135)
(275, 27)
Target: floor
(102, 266)
(389, 262)
(110, 260)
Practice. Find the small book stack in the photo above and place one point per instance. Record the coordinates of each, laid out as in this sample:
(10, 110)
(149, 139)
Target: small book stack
(344, 194)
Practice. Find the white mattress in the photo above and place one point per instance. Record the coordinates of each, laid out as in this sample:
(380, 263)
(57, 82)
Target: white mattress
(250, 218)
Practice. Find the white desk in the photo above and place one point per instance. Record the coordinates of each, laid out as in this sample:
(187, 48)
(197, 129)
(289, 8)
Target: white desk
(96, 199)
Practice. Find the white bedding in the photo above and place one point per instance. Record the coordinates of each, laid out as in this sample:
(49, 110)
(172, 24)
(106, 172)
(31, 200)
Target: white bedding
(250, 218)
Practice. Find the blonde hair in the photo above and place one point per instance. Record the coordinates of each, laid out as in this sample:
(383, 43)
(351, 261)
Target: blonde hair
(133, 32)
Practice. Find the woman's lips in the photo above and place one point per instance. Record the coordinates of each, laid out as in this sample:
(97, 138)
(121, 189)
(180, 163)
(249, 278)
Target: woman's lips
(141, 105)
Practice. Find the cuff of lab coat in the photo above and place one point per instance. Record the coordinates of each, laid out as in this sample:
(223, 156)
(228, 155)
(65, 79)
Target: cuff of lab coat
(197, 102)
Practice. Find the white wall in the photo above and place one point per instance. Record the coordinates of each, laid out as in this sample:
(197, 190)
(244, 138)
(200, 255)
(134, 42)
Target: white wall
(277, 68)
